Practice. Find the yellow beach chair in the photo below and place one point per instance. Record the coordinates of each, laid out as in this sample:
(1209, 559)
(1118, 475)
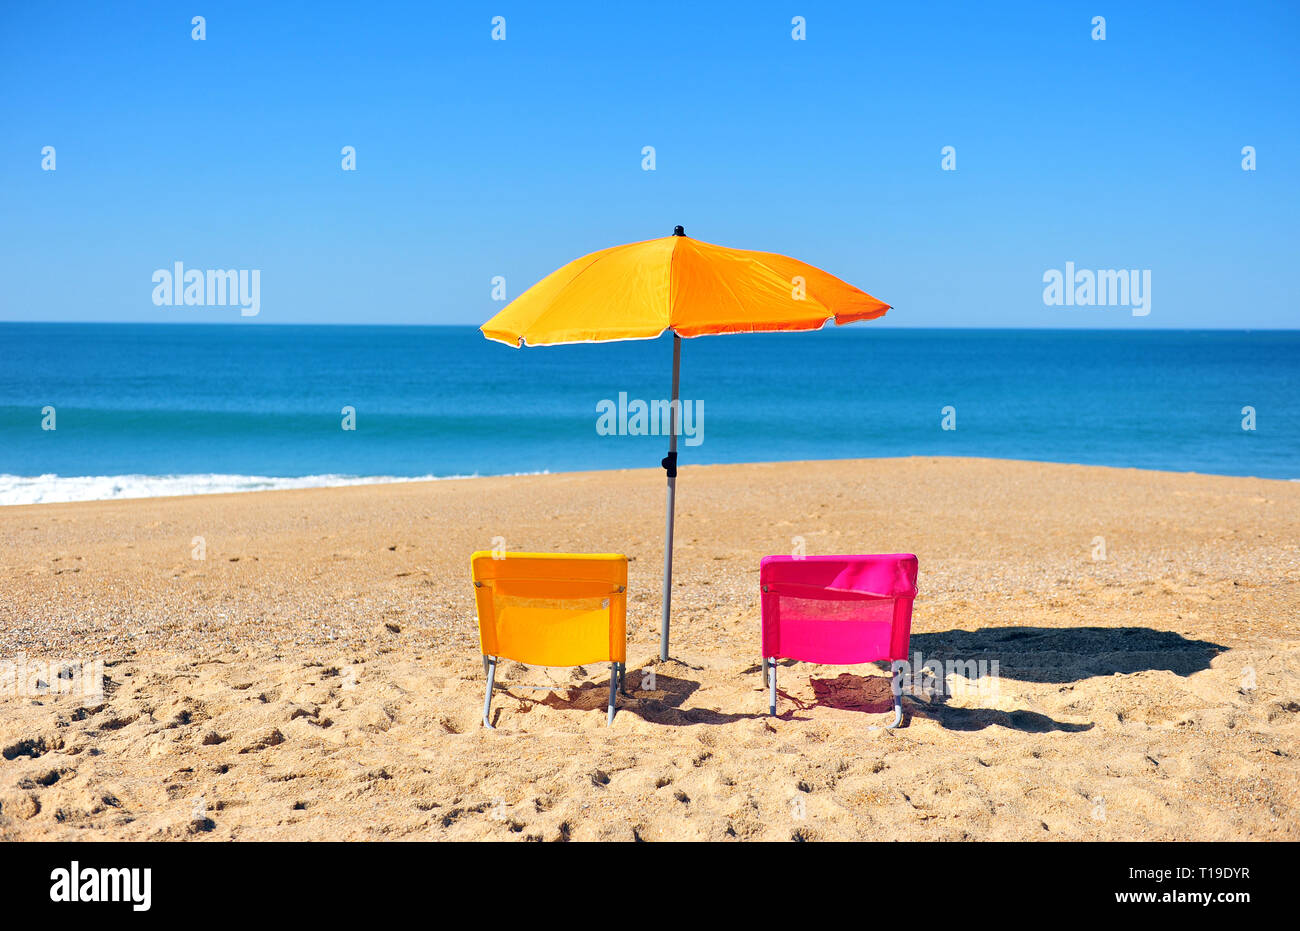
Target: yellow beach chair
(551, 609)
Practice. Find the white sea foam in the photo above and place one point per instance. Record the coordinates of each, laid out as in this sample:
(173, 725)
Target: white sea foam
(46, 489)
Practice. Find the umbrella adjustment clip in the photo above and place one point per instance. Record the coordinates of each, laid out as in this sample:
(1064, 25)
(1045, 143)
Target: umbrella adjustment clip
(669, 464)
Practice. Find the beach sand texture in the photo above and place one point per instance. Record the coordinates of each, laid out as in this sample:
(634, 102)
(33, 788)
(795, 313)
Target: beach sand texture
(317, 674)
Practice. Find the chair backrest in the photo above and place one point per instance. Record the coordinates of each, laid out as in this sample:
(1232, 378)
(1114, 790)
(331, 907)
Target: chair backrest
(552, 609)
(837, 609)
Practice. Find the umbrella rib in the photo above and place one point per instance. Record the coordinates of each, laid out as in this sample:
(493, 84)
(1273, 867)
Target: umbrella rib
(672, 288)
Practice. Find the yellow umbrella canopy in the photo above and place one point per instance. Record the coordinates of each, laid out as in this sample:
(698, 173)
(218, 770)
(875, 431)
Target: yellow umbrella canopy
(693, 288)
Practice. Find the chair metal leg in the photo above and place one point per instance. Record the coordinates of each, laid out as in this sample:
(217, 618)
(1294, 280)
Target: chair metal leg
(771, 671)
(490, 665)
(895, 686)
(613, 690)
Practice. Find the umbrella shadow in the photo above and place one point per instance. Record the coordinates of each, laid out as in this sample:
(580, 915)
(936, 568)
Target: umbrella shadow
(1064, 654)
(1027, 654)
(950, 718)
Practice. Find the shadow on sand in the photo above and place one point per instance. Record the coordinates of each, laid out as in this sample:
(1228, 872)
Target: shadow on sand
(1027, 654)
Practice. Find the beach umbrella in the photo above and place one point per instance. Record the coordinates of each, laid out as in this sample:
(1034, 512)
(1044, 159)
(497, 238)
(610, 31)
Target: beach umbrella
(693, 288)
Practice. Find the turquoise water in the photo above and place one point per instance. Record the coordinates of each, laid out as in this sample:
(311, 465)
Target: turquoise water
(212, 407)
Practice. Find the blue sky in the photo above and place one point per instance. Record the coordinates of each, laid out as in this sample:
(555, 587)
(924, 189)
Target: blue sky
(478, 158)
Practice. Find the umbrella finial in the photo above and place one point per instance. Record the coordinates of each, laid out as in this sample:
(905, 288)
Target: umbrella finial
(679, 231)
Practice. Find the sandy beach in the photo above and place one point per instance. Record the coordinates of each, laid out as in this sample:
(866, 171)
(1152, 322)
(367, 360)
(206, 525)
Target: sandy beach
(316, 674)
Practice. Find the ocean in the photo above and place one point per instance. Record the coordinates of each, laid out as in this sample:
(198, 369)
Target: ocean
(142, 410)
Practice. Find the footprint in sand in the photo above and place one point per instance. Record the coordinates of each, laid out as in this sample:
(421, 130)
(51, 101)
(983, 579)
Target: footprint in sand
(28, 747)
(45, 779)
(24, 806)
(272, 738)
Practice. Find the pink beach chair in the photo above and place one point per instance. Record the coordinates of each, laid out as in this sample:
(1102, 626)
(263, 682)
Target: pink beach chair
(837, 610)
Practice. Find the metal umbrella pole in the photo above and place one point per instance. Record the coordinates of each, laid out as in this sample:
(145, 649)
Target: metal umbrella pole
(670, 466)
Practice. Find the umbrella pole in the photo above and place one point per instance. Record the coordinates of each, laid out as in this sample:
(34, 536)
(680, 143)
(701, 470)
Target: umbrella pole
(670, 466)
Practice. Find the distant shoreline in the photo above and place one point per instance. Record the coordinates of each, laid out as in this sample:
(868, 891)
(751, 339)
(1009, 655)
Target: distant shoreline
(18, 491)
